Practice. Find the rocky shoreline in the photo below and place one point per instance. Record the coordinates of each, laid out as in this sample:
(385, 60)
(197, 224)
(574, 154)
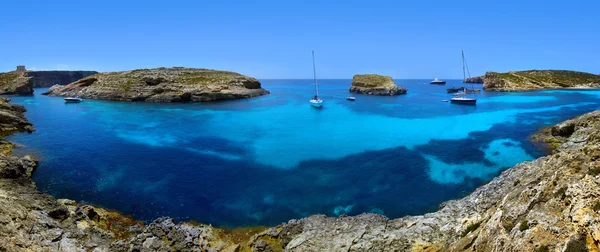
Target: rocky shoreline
(530, 80)
(374, 84)
(549, 204)
(175, 84)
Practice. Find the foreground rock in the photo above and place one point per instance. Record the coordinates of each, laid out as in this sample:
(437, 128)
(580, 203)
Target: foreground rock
(550, 204)
(374, 84)
(16, 83)
(163, 85)
(539, 79)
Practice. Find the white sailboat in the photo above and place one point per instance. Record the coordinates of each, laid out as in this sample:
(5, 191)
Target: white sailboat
(315, 101)
(461, 97)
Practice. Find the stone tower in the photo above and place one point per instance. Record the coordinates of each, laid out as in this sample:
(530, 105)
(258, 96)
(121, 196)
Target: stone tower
(21, 69)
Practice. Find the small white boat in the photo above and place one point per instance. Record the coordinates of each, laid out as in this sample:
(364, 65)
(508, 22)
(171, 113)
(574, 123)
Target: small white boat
(73, 99)
(444, 100)
(315, 101)
(437, 81)
(351, 98)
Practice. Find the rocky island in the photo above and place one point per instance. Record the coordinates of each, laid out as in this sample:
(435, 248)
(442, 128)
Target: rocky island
(374, 84)
(539, 79)
(476, 80)
(175, 84)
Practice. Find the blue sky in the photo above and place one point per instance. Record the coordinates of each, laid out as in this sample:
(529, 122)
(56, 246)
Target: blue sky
(273, 39)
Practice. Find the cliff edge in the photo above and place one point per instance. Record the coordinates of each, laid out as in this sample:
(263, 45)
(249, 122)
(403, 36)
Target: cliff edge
(176, 84)
(374, 84)
(50, 78)
(16, 83)
(539, 79)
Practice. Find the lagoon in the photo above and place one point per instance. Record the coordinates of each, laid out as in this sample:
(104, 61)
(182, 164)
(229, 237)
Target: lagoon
(266, 160)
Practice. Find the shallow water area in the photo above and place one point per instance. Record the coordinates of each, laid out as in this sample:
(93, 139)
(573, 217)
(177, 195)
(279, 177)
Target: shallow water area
(266, 160)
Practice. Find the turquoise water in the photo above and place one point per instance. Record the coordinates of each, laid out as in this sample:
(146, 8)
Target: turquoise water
(265, 160)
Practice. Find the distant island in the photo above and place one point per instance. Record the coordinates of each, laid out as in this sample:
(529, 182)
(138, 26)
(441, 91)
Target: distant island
(177, 84)
(374, 84)
(478, 79)
(538, 79)
(21, 81)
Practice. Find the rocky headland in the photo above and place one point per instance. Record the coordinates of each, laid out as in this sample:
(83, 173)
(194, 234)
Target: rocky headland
(538, 79)
(374, 84)
(16, 83)
(22, 82)
(50, 78)
(549, 204)
(176, 84)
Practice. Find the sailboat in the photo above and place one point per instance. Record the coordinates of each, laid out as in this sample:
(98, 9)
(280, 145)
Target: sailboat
(315, 101)
(461, 98)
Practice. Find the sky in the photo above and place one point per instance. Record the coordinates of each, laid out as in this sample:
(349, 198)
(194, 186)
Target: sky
(274, 39)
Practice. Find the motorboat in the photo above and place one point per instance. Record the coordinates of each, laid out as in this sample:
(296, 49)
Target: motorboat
(437, 81)
(73, 99)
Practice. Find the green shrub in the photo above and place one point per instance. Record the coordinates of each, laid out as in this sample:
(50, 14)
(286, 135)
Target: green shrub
(543, 248)
(523, 226)
(594, 171)
(596, 206)
(471, 227)
(508, 226)
(577, 245)
(560, 193)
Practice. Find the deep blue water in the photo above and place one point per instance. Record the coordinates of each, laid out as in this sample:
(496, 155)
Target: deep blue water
(273, 158)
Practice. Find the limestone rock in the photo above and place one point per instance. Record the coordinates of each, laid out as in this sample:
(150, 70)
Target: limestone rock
(478, 79)
(373, 84)
(539, 79)
(163, 85)
(50, 78)
(16, 83)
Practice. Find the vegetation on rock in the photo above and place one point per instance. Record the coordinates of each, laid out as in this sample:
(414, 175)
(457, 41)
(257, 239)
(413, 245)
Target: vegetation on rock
(15, 83)
(539, 79)
(374, 84)
(163, 85)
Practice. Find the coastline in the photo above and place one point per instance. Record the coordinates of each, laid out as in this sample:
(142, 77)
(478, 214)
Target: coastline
(490, 217)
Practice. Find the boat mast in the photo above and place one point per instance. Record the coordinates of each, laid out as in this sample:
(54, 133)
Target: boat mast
(468, 74)
(463, 65)
(315, 74)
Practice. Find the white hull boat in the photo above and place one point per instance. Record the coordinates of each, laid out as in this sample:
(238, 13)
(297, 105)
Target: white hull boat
(73, 100)
(316, 103)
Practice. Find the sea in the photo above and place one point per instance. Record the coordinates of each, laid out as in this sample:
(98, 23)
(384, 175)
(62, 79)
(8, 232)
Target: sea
(266, 160)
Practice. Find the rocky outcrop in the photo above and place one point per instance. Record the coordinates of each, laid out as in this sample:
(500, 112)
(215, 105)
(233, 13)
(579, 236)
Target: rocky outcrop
(373, 84)
(477, 80)
(23, 82)
(549, 204)
(50, 78)
(16, 83)
(539, 79)
(163, 85)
